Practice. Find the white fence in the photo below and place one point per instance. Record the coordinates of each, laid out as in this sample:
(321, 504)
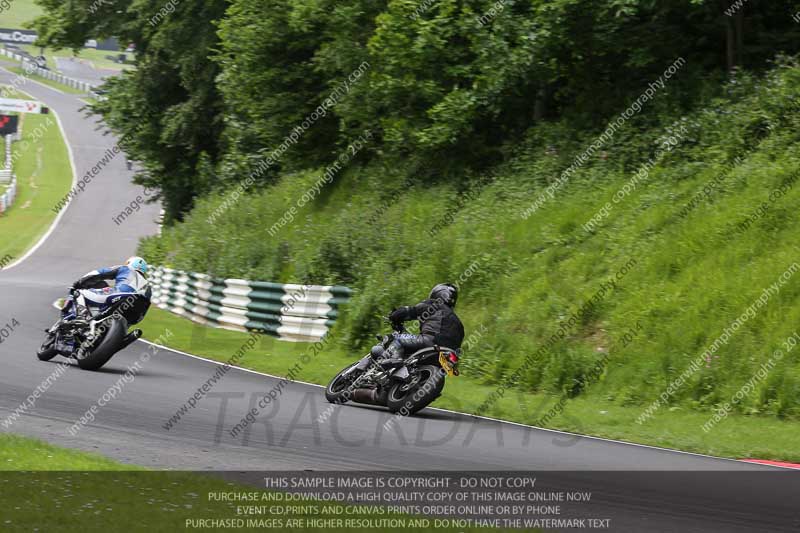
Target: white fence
(31, 68)
(7, 176)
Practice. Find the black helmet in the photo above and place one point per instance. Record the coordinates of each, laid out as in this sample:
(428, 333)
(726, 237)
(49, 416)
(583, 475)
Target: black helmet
(446, 292)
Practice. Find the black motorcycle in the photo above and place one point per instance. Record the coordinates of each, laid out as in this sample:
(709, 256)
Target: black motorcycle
(92, 337)
(404, 390)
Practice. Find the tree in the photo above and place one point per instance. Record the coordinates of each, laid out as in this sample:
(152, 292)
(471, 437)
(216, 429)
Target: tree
(167, 109)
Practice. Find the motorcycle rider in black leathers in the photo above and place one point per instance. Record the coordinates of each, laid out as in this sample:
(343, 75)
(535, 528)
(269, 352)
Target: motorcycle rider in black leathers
(438, 325)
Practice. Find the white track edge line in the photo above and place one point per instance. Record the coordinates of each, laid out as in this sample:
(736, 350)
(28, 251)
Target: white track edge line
(47, 86)
(28, 77)
(560, 432)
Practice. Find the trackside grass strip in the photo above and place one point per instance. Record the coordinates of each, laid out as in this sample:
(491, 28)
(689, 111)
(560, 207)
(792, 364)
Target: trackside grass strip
(76, 492)
(44, 175)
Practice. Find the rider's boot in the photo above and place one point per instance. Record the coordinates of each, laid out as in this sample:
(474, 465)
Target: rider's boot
(393, 357)
(388, 364)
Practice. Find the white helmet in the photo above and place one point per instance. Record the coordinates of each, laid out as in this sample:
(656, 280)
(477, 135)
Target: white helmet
(138, 264)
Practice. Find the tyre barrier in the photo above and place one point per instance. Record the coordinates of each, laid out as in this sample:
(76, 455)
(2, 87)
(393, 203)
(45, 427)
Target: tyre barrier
(297, 313)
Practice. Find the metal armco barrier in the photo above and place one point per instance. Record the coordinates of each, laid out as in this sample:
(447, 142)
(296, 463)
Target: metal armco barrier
(8, 159)
(7, 176)
(32, 68)
(299, 313)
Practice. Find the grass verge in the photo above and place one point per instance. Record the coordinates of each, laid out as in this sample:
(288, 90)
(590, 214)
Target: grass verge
(44, 175)
(44, 81)
(19, 13)
(24, 454)
(75, 491)
(737, 436)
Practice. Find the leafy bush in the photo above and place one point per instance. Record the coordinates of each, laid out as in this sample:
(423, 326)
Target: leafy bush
(690, 272)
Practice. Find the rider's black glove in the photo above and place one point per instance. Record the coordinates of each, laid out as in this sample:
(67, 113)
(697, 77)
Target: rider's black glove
(77, 285)
(397, 315)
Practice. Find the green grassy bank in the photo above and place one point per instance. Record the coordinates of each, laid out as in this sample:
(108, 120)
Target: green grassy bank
(44, 176)
(661, 266)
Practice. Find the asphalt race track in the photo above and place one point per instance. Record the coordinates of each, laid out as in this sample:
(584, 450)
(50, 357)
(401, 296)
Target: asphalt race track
(83, 70)
(288, 436)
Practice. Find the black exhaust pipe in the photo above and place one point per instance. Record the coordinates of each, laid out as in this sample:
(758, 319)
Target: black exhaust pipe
(367, 396)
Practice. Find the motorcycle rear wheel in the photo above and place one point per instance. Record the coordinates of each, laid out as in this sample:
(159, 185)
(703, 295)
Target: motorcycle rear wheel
(407, 400)
(108, 346)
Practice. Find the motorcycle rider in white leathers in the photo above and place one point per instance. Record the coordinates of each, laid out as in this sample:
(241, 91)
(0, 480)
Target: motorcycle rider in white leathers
(128, 278)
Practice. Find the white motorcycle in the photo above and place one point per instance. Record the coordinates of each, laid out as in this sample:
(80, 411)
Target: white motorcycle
(93, 336)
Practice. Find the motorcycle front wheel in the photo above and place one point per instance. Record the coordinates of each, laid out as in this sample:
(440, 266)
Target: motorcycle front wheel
(48, 348)
(409, 398)
(339, 389)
